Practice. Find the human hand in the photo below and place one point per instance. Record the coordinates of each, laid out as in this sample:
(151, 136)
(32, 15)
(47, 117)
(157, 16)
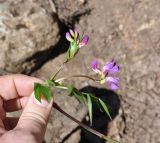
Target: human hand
(16, 92)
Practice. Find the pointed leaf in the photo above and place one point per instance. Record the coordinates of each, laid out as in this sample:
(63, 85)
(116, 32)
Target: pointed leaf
(49, 83)
(47, 93)
(89, 107)
(42, 90)
(80, 97)
(75, 92)
(37, 91)
(98, 104)
(105, 108)
(70, 90)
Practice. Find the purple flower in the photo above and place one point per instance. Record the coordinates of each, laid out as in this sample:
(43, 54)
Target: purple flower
(84, 41)
(111, 67)
(112, 82)
(76, 42)
(72, 32)
(73, 36)
(107, 74)
(95, 66)
(68, 37)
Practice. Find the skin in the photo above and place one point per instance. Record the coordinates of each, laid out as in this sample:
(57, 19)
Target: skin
(16, 92)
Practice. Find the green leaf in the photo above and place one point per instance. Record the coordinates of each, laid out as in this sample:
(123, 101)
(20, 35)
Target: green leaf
(89, 108)
(96, 100)
(80, 97)
(49, 83)
(47, 93)
(105, 108)
(72, 91)
(42, 90)
(37, 91)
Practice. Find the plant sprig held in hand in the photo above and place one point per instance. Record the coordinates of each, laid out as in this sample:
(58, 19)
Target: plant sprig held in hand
(106, 75)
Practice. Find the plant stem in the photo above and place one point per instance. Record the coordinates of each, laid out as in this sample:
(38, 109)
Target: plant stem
(61, 67)
(85, 126)
(78, 75)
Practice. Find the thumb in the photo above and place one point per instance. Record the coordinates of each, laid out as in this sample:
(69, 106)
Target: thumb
(34, 117)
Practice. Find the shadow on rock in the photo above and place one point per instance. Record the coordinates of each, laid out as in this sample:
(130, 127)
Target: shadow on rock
(40, 58)
(100, 119)
(62, 45)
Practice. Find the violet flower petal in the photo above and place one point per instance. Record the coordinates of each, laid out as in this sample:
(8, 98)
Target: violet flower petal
(114, 70)
(112, 82)
(84, 41)
(71, 32)
(113, 86)
(94, 66)
(108, 66)
(112, 79)
(68, 37)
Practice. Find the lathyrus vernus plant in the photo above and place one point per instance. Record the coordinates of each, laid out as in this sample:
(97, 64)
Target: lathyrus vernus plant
(106, 75)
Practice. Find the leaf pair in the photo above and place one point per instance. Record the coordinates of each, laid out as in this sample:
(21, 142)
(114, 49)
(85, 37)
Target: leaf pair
(100, 103)
(41, 90)
(72, 91)
(82, 97)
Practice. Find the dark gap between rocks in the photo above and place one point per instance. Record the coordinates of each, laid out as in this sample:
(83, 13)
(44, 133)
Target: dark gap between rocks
(72, 132)
(43, 57)
(62, 45)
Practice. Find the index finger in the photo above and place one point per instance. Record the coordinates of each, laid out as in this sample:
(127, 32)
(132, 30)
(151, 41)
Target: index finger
(14, 86)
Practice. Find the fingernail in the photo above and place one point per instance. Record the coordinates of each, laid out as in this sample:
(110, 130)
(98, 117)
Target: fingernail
(43, 101)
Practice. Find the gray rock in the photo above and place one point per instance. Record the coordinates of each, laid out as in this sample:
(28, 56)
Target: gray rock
(129, 32)
(26, 29)
(67, 9)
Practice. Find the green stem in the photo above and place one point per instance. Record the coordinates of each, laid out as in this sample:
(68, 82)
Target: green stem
(78, 75)
(85, 126)
(61, 67)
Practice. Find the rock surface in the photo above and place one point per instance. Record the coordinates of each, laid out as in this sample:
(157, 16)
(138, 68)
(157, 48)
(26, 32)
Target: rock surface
(69, 9)
(27, 28)
(128, 31)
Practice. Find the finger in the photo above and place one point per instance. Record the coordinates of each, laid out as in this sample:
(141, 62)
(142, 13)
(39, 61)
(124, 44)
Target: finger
(35, 117)
(2, 127)
(15, 104)
(13, 86)
(2, 112)
(1, 124)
